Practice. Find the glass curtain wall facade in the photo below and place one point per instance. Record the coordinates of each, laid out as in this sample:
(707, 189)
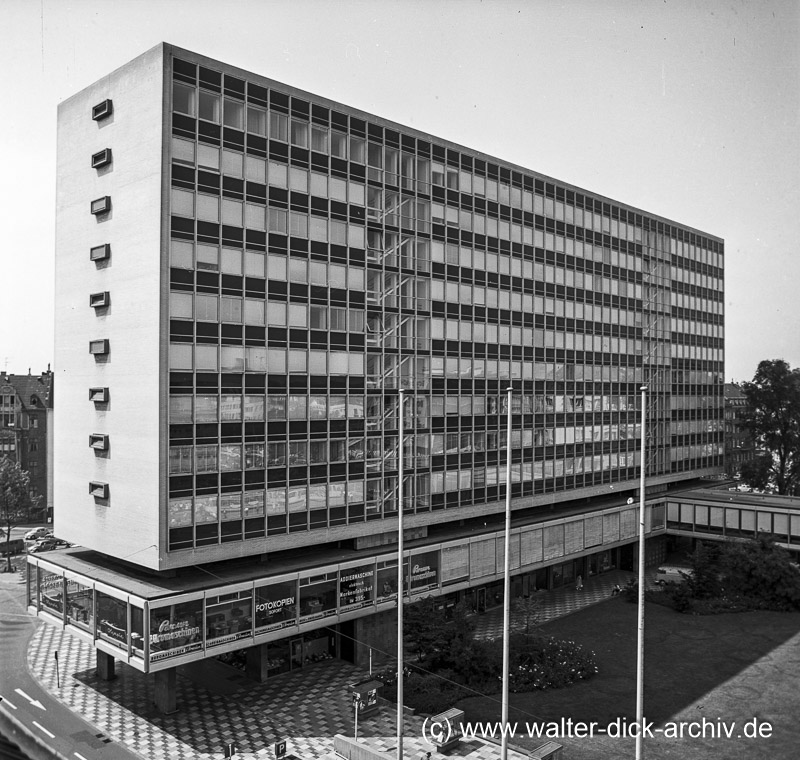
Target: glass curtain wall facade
(320, 260)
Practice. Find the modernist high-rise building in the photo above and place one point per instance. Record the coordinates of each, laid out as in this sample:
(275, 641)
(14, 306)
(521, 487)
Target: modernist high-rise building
(246, 276)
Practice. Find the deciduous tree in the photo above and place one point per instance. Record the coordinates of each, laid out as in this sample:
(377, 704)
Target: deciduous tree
(15, 498)
(773, 419)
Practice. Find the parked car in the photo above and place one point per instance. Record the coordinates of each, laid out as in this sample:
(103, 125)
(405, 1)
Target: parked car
(37, 533)
(48, 544)
(672, 574)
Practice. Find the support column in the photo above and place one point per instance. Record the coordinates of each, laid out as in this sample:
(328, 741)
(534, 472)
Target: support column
(257, 663)
(105, 666)
(165, 692)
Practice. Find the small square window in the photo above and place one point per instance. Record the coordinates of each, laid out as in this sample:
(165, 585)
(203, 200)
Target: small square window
(98, 490)
(101, 205)
(99, 347)
(98, 395)
(100, 252)
(98, 441)
(98, 300)
(101, 158)
(102, 110)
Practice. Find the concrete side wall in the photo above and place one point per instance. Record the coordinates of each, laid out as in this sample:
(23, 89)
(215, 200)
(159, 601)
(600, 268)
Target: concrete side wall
(128, 524)
(352, 749)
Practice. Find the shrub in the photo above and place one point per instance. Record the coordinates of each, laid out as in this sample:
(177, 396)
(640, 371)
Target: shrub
(551, 664)
(429, 693)
(536, 663)
(680, 595)
(631, 591)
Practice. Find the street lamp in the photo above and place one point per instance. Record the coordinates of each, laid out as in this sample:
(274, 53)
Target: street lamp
(640, 635)
(506, 585)
(400, 579)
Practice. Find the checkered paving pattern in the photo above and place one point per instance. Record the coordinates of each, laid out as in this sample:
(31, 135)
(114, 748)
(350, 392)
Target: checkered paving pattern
(307, 707)
(555, 604)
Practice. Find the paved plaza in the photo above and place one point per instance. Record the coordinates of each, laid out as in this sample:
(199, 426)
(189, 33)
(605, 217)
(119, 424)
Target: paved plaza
(218, 704)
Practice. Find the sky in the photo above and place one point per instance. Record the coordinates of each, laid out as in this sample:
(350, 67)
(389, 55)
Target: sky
(690, 111)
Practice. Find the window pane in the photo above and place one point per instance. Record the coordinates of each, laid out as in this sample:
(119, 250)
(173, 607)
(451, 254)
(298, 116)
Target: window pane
(183, 98)
(234, 114)
(319, 139)
(254, 312)
(299, 133)
(278, 126)
(208, 156)
(209, 106)
(181, 254)
(256, 121)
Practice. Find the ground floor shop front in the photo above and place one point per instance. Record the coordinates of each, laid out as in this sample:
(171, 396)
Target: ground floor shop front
(307, 614)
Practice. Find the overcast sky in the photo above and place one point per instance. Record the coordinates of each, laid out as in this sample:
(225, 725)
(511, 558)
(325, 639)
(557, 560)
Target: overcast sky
(689, 110)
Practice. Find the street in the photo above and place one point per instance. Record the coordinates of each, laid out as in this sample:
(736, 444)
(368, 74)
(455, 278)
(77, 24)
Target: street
(51, 729)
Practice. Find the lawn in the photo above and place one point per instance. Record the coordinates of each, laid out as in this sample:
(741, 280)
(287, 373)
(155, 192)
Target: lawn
(686, 657)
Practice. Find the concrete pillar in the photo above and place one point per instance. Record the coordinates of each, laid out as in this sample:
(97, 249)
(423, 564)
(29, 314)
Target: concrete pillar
(105, 666)
(165, 692)
(257, 663)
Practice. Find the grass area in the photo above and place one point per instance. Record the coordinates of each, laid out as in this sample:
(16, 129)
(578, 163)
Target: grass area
(686, 656)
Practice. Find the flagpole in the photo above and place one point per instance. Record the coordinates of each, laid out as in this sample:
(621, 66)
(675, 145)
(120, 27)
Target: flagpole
(640, 635)
(506, 585)
(400, 582)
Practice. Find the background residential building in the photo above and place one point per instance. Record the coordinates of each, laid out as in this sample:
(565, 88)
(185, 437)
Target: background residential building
(739, 445)
(26, 432)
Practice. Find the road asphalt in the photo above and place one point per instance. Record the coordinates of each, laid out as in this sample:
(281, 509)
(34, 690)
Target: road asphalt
(42, 726)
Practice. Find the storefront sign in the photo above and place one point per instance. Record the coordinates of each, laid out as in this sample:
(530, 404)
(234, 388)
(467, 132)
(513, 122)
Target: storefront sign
(356, 586)
(112, 619)
(227, 639)
(107, 629)
(275, 606)
(51, 591)
(175, 630)
(424, 570)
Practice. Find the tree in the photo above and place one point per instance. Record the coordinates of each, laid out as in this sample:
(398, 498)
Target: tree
(15, 498)
(432, 633)
(761, 569)
(529, 608)
(773, 419)
(703, 581)
(757, 472)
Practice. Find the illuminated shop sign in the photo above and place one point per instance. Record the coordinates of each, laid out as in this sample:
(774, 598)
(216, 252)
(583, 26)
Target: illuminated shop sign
(356, 586)
(423, 570)
(176, 630)
(275, 606)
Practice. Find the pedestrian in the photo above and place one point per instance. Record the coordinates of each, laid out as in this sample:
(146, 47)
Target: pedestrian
(579, 583)
(616, 590)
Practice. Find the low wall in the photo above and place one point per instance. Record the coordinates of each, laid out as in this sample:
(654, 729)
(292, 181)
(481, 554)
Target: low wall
(350, 749)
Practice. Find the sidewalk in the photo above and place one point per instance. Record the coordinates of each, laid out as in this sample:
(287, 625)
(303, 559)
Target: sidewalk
(556, 604)
(305, 707)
